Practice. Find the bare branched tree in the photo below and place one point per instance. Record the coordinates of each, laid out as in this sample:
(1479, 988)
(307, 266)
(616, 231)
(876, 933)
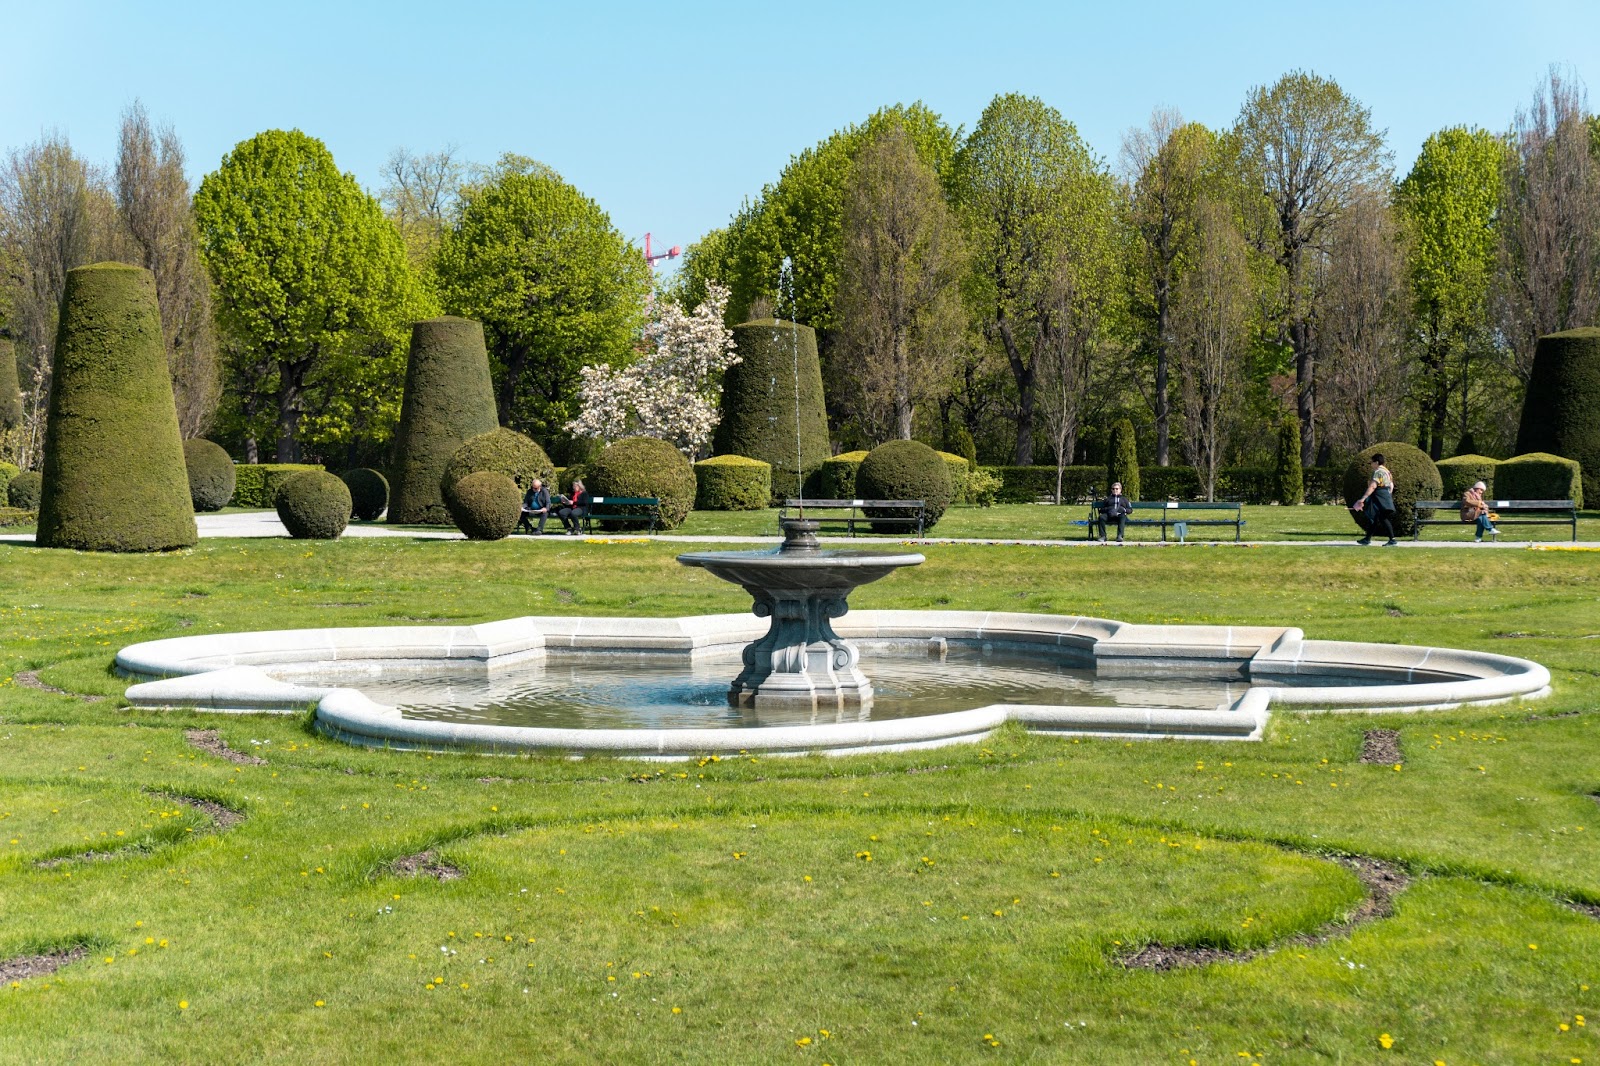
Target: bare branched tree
(419, 194)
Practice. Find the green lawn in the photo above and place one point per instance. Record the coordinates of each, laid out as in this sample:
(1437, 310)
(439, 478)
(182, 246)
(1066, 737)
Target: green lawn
(951, 905)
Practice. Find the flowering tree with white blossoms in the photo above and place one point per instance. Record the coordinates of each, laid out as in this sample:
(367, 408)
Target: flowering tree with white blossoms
(669, 393)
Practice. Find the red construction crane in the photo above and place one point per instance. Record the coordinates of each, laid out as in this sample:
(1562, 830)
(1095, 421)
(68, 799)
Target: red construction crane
(670, 253)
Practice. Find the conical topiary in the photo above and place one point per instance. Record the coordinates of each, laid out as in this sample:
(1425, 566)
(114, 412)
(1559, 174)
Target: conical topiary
(10, 393)
(1122, 459)
(1561, 410)
(448, 399)
(758, 403)
(114, 475)
(1290, 487)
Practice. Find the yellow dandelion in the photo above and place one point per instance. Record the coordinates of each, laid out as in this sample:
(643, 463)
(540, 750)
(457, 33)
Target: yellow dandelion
(183, 1004)
(1384, 1039)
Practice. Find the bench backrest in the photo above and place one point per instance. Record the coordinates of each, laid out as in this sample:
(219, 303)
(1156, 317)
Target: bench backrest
(824, 504)
(632, 501)
(1503, 505)
(1173, 505)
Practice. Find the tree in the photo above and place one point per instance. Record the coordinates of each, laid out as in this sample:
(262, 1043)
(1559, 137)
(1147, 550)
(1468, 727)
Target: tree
(1549, 277)
(1447, 204)
(899, 311)
(418, 195)
(1314, 151)
(313, 291)
(1039, 216)
(554, 284)
(154, 204)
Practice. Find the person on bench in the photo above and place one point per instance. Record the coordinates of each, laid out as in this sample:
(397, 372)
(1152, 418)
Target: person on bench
(1115, 508)
(1474, 510)
(536, 504)
(574, 508)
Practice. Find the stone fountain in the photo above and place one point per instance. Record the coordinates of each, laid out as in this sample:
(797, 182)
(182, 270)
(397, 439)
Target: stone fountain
(801, 664)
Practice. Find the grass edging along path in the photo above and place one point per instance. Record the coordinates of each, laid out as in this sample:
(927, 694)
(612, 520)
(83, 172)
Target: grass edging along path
(799, 910)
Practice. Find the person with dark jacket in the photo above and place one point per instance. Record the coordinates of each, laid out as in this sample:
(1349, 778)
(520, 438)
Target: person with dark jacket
(1375, 511)
(574, 508)
(1115, 508)
(535, 504)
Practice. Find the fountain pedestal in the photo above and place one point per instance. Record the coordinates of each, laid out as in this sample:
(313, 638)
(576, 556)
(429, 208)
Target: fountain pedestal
(801, 664)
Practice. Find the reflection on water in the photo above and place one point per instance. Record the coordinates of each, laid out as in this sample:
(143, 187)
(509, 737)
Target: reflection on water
(670, 691)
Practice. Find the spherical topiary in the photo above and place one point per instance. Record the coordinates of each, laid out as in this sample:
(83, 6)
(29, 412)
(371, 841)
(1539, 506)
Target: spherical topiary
(904, 470)
(448, 399)
(1540, 476)
(7, 472)
(369, 492)
(314, 505)
(1122, 459)
(505, 451)
(211, 474)
(1460, 473)
(759, 403)
(10, 393)
(485, 505)
(645, 466)
(956, 466)
(837, 479)
(1415, 478)
(114, 476)
(1561, 409)
(732, 483)
(25, 490)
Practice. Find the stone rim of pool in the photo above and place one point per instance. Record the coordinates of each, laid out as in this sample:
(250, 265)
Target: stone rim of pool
(235, 672)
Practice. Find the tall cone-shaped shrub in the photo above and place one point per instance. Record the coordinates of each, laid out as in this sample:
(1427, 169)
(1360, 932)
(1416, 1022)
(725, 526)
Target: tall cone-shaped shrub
(1561, 411)
(448, 399)
(1290, 487)
(10, 394)
(114, 475)
(759, 403)
(1122, 459)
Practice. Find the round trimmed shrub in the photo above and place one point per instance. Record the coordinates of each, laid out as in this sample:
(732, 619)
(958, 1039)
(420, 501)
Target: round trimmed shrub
(904, 470)
(369, 492)
(505, 451)
(956, 466)
(837, 479)
(485, 505)
(7, 472)
(645, 466)
(448, 400)
(1415, 478)
(1561, 409)
(732, 483)
(314, 505)
(114, 477)
(759, 403)
(25, 490)
(1540, 476)
(211, 474)
(1460, 473)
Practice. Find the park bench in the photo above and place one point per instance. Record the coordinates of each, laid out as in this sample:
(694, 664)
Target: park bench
(1511, 512)
(855, 511)
(1173, 514)
(616, 509)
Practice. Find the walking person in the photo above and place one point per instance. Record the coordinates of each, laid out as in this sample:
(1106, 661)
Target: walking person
(574, 508)
(1115, 508)
(1375, 510)
(1474, 510)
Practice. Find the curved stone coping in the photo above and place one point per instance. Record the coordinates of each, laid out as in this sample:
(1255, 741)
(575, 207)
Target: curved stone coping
(229, 672)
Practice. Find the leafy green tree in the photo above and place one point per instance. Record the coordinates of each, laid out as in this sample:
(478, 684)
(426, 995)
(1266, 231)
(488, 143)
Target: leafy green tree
(1040, 216)
(554, 284)
(1448, 205)
(313, 294)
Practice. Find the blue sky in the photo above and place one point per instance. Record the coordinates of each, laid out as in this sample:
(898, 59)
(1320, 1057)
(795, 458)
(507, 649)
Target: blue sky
(669, 114)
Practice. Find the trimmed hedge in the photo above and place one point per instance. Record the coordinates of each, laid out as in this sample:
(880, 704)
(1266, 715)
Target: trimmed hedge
(369, 493)
(1169, 483)
(960, 473)
(449, 399)
(1561, 409)
(10, 391)
(114, 477)
(837, 478)
(1247, 484)
(211, 474)
(1539, 476)
(485, 505)
(25, 490)
(904, 470)
(732, 483)
(1323, 483)
(645, 466)
(11, 517)
(7, 472)
(1459, 473)
(257, 484)
(759, 403)
(505, 451)
(314, 505)
(1415, 478)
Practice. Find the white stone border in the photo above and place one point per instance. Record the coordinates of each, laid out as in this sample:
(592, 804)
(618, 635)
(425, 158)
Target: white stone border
(255, 671)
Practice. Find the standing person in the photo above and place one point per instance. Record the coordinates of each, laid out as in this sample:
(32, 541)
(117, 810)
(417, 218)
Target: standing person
(1378, 516)
(1474, 510)
(1115, 508)
(574, 508)
(536, 504)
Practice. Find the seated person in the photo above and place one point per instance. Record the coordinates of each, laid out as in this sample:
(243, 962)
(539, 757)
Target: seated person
(535, 504)
(1115, 508)
(573, 509)
(1474, 510)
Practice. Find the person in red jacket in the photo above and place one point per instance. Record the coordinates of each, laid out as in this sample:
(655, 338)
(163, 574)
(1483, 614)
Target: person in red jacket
(573, 508)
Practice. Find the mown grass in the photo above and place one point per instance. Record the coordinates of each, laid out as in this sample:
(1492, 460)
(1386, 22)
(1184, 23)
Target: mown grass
(1003, 882)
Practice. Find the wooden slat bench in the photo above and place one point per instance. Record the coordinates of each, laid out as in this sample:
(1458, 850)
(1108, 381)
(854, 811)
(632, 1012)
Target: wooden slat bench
(1171, 514)
(1511, 512)
(855, 511)
(612, 509)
